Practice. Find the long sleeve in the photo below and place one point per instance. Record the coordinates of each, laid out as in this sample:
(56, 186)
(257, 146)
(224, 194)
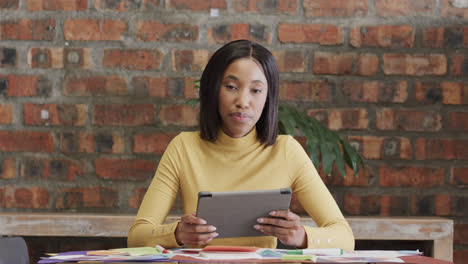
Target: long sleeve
(148, 229)
(332, 228)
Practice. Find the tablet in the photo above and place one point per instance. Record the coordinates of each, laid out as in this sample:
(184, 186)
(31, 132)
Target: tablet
(235, 213)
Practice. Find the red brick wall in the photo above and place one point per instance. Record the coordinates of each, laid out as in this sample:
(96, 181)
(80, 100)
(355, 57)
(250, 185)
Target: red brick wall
(92, 91)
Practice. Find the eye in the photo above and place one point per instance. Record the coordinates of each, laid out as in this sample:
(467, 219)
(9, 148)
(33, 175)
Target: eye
(255, 90)
(230, 86)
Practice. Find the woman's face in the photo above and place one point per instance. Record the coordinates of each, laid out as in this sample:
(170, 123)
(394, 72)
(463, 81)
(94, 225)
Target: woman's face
(242, 96)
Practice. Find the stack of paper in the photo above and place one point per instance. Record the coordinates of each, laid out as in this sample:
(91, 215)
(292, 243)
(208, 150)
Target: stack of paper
(121, 254)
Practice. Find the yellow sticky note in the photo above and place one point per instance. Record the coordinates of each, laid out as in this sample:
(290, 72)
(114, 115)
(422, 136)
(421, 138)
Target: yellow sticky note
(139, 251)
(299, 257)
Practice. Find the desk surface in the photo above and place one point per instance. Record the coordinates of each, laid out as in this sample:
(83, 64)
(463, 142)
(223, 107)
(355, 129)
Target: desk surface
(408, 260)
(436, 229)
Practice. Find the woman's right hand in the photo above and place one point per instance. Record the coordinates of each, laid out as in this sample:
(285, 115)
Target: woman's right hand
(192, 230)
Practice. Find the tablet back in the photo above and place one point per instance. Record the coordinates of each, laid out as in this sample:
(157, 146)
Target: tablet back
(235, 213)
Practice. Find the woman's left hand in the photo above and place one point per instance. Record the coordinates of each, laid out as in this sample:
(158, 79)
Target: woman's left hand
(286, 226)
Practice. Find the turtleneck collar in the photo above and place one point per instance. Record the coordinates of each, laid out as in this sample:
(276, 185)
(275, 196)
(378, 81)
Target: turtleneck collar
(233, 143)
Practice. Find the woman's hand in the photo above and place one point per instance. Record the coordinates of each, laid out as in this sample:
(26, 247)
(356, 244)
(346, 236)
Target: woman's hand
(287, 228)
(192, 230)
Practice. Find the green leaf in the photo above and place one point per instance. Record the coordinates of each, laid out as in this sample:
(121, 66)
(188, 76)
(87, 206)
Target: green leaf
(288, 121)
(327, 157)
(353, 159)
(339, 160)
(193, 101)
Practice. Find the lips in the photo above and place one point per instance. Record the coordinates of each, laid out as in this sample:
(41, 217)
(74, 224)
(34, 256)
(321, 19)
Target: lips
(241, 117)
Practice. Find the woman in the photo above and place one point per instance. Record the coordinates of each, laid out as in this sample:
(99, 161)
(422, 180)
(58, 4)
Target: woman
(238, 148)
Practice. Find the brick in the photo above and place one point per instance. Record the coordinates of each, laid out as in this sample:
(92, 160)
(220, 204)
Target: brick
(460, 234)
(456, 37)
(451, 93)
(6, 114)
(339, 119)
(59, 58)
(159, 31)
(423, 205)
(376, 91)
(459, 177)
(290, 61)
(361, 205)
(126, 5)
(26, 197)
(352, 204)
(55, 114)
(155, 143)
(24, 85)
(137, 198)
(197, 5)
(132, 59)
(442, 149)
(389, 8)
(87, 29)
(8, 57)
(364, 178)
(458, 206)
(311, 91)
(225, 33)
(335, 8)
(442, 204)
(120, 169)
(454, 93)
(447, 10)
(433, 37)
(9, 4)
(384, 36)
(189, 60)
(391, 205)
(124, 115)
(459, 65)
(420, 177)
(371, 147)
(56, 5)
(408, 120)
(83, 142)
(29, 141)
(182, 115)
(51, 169)
(112, 85)
(87, 197)
(458, 120)
(345, 63)
(414, 65)
(162, 87)
(7, 168)
(459, 255)
(310, 33)
(266, 6)
(28, 29)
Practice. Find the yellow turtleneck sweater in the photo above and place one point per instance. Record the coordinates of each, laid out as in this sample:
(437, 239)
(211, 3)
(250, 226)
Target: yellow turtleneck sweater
(234, 164)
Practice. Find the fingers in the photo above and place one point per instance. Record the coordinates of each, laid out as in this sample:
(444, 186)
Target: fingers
(285, 225)
(193, 230)
(282, 218)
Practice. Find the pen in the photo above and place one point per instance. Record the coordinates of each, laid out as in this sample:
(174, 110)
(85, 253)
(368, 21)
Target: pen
(317, 251)
(161, 249)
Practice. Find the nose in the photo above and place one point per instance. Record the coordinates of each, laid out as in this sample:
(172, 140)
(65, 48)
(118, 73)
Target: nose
(242, 99)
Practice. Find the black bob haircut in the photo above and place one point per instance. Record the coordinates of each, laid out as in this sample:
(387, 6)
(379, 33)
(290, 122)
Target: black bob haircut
(210, 119)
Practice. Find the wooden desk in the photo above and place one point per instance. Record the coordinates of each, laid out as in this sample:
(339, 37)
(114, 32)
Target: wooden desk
(408, 260)
(435, 229)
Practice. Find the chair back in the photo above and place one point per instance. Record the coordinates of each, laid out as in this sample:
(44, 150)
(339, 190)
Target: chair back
(13, 250)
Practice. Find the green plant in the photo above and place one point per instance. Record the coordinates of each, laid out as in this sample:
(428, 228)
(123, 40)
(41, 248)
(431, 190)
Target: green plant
(322, 144)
